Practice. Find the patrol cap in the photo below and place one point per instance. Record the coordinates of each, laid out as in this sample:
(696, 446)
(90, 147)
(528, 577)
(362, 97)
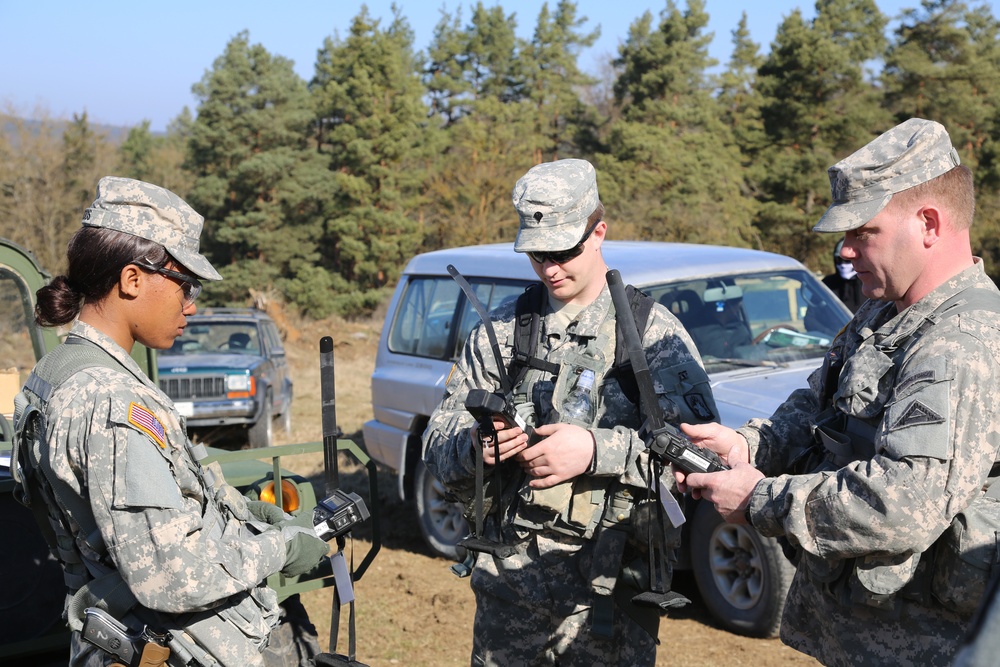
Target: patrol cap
(154, 213)
(913, 152)
(554, 200)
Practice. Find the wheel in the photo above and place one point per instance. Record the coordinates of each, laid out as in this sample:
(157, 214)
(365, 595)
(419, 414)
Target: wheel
(742, 576)
(441, 521)
(261, 434)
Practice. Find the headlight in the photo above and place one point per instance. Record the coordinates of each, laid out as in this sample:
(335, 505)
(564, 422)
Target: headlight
(237, 383)
(240, 386)
(289, 495)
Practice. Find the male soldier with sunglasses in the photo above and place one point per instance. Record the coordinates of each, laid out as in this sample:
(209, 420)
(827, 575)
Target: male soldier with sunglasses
(575, 495)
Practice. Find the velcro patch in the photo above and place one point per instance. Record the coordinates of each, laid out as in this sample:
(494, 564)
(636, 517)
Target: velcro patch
(916, 414)
(699, 406)
(146, 421)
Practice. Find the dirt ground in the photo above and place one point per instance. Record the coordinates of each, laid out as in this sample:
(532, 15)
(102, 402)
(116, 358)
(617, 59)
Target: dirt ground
(411, 610)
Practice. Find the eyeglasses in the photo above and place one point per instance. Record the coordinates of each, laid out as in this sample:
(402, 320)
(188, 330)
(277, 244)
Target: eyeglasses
(563, 256)
(190, 285)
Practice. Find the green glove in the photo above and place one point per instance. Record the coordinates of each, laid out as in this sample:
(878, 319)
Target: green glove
(266, 512)
(303, 550)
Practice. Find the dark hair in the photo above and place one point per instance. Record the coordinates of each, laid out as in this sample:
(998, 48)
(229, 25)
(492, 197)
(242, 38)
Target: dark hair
(96, 257)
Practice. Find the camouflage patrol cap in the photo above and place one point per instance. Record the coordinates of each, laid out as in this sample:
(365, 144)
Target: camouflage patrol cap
(913, 152)
(154, 213)
(554, 200)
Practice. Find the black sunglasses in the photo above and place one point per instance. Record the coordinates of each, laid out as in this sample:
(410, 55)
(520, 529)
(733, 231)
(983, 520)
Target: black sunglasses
(189, 284)
(563, 256)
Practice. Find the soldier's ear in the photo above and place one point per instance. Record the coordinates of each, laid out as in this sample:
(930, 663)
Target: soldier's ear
(931, 222)
(129, 280)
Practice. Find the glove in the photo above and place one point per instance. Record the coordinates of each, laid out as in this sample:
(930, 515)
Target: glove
(303, 550)
(266, 512)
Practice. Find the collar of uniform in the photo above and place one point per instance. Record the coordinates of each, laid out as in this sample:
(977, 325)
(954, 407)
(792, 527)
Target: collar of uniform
(903, 325)
(588, 321)
(94, 335)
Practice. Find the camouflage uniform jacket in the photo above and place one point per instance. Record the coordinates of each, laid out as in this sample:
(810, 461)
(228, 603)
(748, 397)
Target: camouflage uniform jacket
(678, 377)
(178, 539)
(925, 387)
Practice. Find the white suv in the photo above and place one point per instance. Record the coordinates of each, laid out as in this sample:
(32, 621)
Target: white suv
(762, 323)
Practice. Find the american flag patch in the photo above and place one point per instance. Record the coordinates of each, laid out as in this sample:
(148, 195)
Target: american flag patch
(145, 421)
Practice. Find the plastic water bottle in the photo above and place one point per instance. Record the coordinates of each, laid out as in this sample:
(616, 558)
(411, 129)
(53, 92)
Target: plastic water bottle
(578, 406)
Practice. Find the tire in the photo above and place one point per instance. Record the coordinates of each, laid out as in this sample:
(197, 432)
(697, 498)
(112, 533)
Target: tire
(441, 521)
(742, 577)
(261, 434)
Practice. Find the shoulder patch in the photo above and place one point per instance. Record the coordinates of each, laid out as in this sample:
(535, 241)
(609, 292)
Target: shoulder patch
(699, 406)
(146, 421)
(915, 414)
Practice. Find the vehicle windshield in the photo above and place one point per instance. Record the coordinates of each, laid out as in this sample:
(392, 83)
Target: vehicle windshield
(755, 318)
(216, 338)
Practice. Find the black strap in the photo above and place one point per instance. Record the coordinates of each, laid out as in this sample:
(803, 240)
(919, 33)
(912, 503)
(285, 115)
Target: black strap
(527, 328)
(527, 332)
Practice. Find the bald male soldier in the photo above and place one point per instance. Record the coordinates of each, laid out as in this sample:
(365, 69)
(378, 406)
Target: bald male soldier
(878, 475)
(550, 603)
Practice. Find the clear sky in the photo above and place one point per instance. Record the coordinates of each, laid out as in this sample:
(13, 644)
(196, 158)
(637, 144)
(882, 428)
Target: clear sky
(127, 61)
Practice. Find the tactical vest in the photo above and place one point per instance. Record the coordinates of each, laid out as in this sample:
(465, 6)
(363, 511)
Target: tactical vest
(91, 580)
(956, 568)
(611, 514)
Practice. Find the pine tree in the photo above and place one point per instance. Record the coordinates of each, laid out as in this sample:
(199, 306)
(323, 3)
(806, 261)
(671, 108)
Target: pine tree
(553, 79)
(673, 168)
(818, 107)
(260, 187)
(369, 98)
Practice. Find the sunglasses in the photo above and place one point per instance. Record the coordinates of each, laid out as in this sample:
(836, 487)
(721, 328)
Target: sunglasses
(190, 285)
(562, 256)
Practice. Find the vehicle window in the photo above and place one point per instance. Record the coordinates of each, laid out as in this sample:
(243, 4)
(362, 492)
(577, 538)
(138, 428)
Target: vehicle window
(217, 337)
(775, 316)
(492, 296)
(426, 314)
(273, 337)
(424, 317)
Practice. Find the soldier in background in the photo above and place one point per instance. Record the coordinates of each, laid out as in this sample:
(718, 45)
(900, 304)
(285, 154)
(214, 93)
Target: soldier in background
(878, 475)
(144, 530)
(551, 602)
(844, 281)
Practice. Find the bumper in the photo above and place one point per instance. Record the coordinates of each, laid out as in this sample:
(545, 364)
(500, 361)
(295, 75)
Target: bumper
(219, 413)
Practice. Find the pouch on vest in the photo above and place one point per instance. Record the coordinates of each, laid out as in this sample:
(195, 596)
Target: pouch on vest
(966, 555)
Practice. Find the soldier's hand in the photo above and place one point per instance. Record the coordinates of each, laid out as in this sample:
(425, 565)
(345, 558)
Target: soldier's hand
(267, 512)
(511, 441)
(722, 440)
(728, 490)
(303, 550)
(565, 451)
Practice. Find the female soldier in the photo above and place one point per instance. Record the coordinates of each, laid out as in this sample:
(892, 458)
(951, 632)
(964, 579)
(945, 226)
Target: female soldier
(144, 530)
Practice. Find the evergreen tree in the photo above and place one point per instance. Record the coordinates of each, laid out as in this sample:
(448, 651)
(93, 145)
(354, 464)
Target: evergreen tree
(673, 168)
(369, 98)
(943, 66)
(260, 187)
(553, 79)
(818, 107)
(737, 94)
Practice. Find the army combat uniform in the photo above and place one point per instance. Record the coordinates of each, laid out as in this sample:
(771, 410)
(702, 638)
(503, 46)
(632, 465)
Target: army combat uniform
(534, 607)
(175, 533)
(895, 532)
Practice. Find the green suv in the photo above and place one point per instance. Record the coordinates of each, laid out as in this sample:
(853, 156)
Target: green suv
(228, 373)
